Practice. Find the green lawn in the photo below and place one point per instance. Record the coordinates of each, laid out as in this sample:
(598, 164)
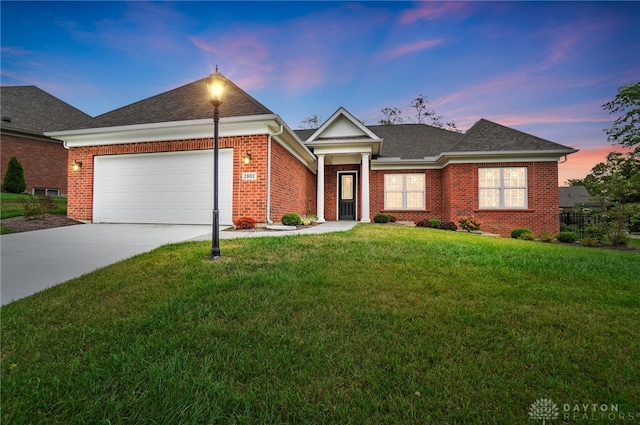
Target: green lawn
(11, 205)
(380, 325)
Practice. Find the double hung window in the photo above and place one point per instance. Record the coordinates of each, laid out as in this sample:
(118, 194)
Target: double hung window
(504, 188)
(404, 191)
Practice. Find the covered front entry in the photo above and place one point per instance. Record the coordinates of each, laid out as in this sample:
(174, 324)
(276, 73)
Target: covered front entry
(347, 196)
(344, 141)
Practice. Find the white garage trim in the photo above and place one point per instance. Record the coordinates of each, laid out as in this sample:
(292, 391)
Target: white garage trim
(161, 188)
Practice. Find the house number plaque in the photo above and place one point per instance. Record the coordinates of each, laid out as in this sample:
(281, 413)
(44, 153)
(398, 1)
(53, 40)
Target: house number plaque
(250, 176)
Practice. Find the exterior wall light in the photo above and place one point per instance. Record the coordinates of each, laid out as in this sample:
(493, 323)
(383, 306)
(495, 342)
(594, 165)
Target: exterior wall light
(76, 166)
(247, 158)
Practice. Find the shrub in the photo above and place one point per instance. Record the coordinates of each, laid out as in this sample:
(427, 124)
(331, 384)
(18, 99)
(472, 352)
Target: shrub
(309, 219)
(244, 223)
(381, 218)
(546, 237)
(595, 231)
(589, 241)
(448, 225)
(392, 218)
(470, 224)
(526, 236)
(14, 177)
(33, 208)
(433, 223)
(567, 237)
(515, 233)
(291, 219)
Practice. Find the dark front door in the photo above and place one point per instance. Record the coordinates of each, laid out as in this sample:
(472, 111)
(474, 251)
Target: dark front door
(347, 196)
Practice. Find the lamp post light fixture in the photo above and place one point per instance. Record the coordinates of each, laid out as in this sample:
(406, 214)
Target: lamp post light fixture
(216, 84)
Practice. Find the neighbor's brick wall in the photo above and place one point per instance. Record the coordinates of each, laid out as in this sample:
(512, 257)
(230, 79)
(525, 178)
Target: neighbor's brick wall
(45, 163)
(293, 185)
(80, 189)
(433, 195)
(460, 186)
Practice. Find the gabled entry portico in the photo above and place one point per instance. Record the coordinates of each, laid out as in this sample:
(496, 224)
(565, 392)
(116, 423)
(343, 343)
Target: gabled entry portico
(343, 145)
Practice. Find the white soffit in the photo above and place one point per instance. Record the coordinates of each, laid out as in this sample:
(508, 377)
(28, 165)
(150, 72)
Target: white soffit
(447, 158)
(178, 130)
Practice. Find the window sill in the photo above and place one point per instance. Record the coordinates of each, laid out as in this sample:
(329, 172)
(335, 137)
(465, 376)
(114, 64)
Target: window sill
(523, 210)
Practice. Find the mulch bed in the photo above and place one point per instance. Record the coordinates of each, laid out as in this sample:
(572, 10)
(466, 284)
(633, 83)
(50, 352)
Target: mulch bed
(19, 224)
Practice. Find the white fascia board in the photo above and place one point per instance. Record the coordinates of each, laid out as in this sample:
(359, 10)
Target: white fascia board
(374, 145)
(342, 150)
(447, 158)
(176, 130)
(292, 143)
(503, 156)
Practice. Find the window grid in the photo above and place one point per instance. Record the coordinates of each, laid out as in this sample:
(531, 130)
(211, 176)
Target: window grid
(404, 191)
(503, 188)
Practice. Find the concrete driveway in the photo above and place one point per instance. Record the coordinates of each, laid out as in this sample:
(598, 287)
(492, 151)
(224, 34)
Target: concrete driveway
(33, 261)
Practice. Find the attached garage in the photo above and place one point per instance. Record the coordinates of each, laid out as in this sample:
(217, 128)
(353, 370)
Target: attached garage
(161, 188)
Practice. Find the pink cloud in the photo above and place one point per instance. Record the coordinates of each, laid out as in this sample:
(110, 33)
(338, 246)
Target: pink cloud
(579, 164)
(431, 10)
(405, 49)
(248, 54)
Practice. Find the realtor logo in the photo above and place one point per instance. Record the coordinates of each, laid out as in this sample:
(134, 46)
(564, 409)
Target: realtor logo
(545, 409)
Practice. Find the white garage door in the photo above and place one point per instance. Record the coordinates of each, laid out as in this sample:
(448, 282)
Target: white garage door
(172, 188)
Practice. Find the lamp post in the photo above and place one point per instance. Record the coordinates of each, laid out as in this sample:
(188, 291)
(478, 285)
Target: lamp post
(216, 84)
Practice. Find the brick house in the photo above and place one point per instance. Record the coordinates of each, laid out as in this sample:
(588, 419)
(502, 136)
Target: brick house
(27, 112)
(151, 162)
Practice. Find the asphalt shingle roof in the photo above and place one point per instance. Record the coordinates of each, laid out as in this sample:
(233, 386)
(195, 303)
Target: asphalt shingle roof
(414, 141)
(418, 141)
(29, 109)
(188, 102)
(488, 136)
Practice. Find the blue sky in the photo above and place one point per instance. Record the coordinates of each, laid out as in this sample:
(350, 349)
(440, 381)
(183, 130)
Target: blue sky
(541, 67)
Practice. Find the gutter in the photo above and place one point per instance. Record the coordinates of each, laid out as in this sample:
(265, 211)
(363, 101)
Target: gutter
(271, 135)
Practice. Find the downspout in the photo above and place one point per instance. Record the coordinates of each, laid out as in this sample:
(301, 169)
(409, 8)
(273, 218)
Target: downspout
(565, 160)
(269, 221)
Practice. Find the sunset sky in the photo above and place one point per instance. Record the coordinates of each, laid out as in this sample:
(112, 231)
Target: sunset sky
(545, 68)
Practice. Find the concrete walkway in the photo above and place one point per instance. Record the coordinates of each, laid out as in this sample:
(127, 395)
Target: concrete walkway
(33, 261)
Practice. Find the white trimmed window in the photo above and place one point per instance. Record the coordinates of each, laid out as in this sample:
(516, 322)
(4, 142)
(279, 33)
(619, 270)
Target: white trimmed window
(503, 187)
(404, 191)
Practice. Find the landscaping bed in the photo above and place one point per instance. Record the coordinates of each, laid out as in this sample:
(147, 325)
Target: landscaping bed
(20, 224)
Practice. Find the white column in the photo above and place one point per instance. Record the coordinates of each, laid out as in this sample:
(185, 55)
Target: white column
(365, 189)
(320, 189)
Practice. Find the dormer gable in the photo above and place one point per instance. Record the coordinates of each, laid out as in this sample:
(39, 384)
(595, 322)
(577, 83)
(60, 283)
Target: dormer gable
(342, 125)
(343, 132)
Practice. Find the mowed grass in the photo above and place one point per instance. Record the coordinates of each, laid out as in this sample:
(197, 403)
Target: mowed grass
(12, 205)
(380, 325)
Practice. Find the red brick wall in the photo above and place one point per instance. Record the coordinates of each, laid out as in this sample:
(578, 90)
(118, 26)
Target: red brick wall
(45, 163)
(433, 195)
(293, 186)
(461, 198)
(248, 196)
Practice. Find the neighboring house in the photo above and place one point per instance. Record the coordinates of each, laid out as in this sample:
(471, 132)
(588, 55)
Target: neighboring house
(27, 112)
(151, 162)
(577, 197)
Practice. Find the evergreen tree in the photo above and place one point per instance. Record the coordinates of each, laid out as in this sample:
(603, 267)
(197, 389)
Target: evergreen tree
(14, 178)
